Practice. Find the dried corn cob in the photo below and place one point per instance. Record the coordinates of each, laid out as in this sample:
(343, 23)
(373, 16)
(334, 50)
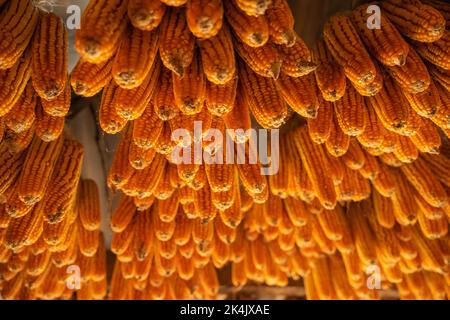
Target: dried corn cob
(415, 20)
(87, 79)
(17, 24)
(58, 107)
(64, 182)
(413, 76)
(131, 103)
(338, 142)
(21, 116)
(297, 59)
(50, 57)
(147, 129)
(281, 23)
(48, 128)
(260, 93)
(436, 52)
(426, 103)
(177, 43)
(406, 151)
(121, 170)
(239, 118)
(300, 94)
(102, 26)
(189, 90)
(140, 158)
(386, 43)
(135, 57)
(88, 205)
(25, 230)
(320, 127)
(13, 82)
(347, 48)
(351, 112)
(427, 138)
(109, 120)
(330, 76)
(146, 14)
(204, 18)
(263, 60)
(34, 177)
(252, 30)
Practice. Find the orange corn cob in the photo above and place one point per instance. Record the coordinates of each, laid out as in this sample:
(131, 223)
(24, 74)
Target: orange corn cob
(123, 215)
(250, 173)
(121, 170)
(427, 138)
(102, 26)
(189, 90)
(109, 120)
(177, 43)
(88, 241)
(432, 229)
(34, 177)
(17, 24)
(204, 18)
(384, 181)
(146, 14)
(140, 158)
(131, 103)
(347, 48)
(439, 165)
(386, 43)
(88, 205)
(415, 20)
(10, 168)
(25, 230)
(338, 142)
(281, 23)
(297, 59)
(48, 128)
(426, 103)
(334, 223)
(310, 154)
(254, 7)
(252, 30)
(384, 210)
(13, 82)
(351, 112)
(220, 98)
(406, 151)
(58, 107)
(165, 143)
(330, 76)
(354, 158)
(143, 239)
(135, 57)
(300, 94)
(143, 204)
(239, 118)
(261, 94)
(371, 89)
(164, 100)
(147, 129)
(436, 52)
(64, 182)
(18, 142)
(263, 60)
(50, 57)
(21, 117)
(319, 128)
(164, 189)
(413, 76)
(87, 79)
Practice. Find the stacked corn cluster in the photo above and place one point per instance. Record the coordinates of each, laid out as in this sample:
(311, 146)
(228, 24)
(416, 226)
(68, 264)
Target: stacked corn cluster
(34, 89)
(49, 220)
(361, 186)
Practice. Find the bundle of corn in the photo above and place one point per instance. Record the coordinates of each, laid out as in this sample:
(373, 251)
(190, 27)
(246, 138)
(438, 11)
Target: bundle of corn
(197, 70)
(34, 86)
(46, 224)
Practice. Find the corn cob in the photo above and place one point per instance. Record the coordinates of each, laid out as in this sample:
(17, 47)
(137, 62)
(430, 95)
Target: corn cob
(426, 103)
(250, 172)
(87, 79)
(143, 204)
(21, 116)
(413, 76)
(102, 26)
(405, 205)
(427, 138)
(371, 89)
(121, 170)
(129, 104)
(386, 43)
(147, 129)
(34, 177)
(25, 230)
(17, 24)
(88, 241)
(436, 52)
(164, 101)
(13, 82)
(310, 154)
(88, 205)
(330, 76)
(406, 151)
(123, 215)
(64, 182)
(220, 98)
(140, 158)
(300, 94)
(281, 23)
(50, 57)
(135, 57)
(177, 43)
(351, 113)
(204, 18)
(297, 59)
(338, 142)
(415, 20)
(252, 30)
(260, 93)
(146, 14)
(239, 118)
(384, 182)
(264, 60)
(165, 144)
(347, 48)
(18, 142)
(319, 128)
(143, 239)
(432, 229)
(428, 251)
(164, 189)
(109, 120)
(58, 107)
(48, 128)
(442, 117)
(189, 90)
(439, 165)
(14, 207)
(384, 210)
